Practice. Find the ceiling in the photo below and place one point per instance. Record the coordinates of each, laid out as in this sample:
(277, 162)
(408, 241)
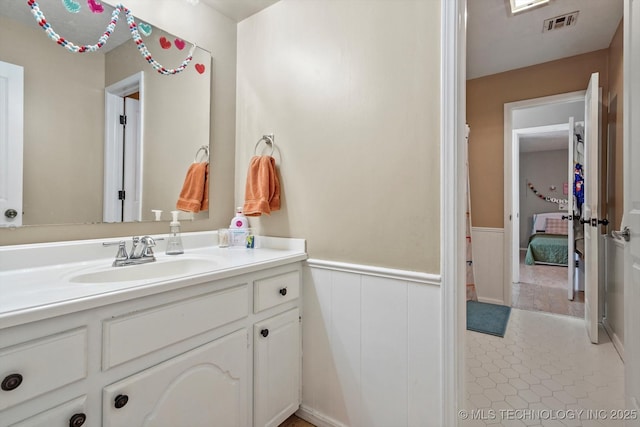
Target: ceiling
(556, 140)
(498, 41)
(239, 9)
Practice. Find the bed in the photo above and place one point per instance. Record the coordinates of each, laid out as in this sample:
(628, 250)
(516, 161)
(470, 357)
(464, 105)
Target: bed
(548, 243)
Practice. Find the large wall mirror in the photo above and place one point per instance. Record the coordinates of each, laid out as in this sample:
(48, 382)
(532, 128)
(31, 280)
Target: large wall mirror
(72, 108)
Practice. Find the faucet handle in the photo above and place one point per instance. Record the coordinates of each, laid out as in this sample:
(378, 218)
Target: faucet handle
(122, 249)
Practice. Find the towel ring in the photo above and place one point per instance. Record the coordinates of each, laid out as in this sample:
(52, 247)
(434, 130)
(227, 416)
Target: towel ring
(206, 154)
(269, 140)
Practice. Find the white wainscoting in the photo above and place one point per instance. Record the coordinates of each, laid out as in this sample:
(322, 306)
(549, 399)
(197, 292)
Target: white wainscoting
(488, 261)
(614, 301)
(372, 346)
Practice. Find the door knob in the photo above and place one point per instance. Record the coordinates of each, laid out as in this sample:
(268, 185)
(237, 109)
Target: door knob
(625, 234)
(264, 333)
(567, 217)
(11, 213)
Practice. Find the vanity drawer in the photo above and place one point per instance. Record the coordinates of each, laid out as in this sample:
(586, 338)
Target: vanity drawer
(131, 336)
(36, 367)
(271, 291)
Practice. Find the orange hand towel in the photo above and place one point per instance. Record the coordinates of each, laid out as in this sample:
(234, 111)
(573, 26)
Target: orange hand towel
(194, 196)
(262, 191)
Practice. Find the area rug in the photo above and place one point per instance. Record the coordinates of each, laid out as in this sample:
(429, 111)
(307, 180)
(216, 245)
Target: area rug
(487, 318)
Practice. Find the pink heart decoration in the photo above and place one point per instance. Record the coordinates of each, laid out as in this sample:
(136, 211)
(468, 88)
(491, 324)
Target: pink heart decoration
(200, 68)
(180, 44)
(164, 43)
(95, 6)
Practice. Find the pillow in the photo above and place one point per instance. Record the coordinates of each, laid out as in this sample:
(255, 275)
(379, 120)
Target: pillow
(557, 226)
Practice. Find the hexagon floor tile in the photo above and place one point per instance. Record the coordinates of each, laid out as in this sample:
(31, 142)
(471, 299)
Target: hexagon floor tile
(545, 371)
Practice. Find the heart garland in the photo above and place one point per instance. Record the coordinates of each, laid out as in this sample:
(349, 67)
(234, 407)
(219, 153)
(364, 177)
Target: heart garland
(545, 198)
(71, 6)
(145, 29)
(95, 7)
(102, 40)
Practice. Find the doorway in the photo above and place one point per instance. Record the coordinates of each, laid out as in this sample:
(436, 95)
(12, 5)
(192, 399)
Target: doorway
(543, 277)
(540, 119)
(124, 103)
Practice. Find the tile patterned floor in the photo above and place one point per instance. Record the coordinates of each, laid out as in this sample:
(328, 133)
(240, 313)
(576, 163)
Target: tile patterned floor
(542, 373)
(544, 288)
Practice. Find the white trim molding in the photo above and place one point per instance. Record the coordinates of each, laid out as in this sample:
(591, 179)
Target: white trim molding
(388, 273)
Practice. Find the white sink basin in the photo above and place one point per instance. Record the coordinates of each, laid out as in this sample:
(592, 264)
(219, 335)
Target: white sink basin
(152, 270)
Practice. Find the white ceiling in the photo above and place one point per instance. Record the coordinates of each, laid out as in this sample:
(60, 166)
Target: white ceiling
(239, 9)
(498, 41)
(557, 140)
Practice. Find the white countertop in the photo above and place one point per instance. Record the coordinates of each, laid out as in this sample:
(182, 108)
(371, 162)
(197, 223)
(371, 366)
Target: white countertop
(34, 279)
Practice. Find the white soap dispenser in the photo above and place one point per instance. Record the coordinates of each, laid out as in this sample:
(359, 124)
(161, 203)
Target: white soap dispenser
(174, 243)
(239, 229)
(239, 221)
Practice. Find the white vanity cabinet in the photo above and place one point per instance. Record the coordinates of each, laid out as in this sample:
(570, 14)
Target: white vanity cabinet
(206, 386)
(196, 355)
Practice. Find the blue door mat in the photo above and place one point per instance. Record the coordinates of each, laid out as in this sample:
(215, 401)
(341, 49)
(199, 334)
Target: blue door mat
(487, 318)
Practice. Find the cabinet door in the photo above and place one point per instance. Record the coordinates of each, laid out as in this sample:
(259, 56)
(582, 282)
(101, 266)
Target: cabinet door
(206, 386)
(276, 368)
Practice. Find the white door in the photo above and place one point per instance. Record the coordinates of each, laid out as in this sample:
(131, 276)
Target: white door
(591, 207)
(569, 217)
(132, 162)
(11, 135)
(631, 219)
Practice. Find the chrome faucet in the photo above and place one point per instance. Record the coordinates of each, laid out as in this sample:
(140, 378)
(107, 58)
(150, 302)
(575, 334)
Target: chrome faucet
(141, 251)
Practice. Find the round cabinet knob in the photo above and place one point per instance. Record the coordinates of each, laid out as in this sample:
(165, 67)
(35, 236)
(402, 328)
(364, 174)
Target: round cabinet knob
(11, 213)
(11, 382)
(77, 420)
(283, 291)
(120, 401)
(264, 332)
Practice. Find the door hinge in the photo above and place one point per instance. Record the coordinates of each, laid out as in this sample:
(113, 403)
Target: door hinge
(123, 119)
(121, 194)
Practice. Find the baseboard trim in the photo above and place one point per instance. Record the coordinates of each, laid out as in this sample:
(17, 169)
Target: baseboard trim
(491, 301)
(389, 273)
(318, 420)
(614, 338)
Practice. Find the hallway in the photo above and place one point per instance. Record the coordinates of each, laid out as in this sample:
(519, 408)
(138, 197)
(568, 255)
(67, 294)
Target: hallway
(542, 373)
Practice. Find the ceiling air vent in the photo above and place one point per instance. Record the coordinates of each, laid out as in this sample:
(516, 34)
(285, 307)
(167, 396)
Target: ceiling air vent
(562, 21)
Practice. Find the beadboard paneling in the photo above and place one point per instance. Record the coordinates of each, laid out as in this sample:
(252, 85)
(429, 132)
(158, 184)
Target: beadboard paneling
(371, 347)
(488, 261)
(614, 300)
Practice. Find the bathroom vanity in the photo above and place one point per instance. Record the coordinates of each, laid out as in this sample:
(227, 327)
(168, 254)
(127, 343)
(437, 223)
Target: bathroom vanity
(210, 337)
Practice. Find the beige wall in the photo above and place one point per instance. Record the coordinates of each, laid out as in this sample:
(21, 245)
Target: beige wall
(615, 129)
(62, 137)
(351, 90)
(486, 97)
(216, 34)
